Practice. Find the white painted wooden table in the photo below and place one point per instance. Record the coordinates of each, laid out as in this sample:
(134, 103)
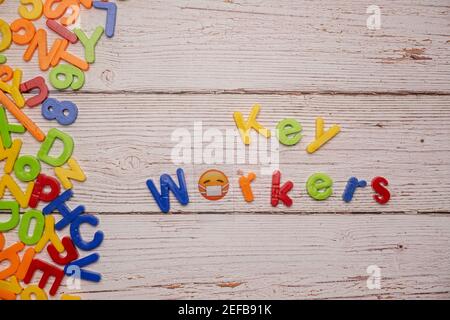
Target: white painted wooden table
(174, 62)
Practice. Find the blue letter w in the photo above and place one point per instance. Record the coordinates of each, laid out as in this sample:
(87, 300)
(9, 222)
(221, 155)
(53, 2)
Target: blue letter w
(167, 183)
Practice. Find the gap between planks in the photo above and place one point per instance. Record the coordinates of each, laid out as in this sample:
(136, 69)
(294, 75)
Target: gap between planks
(261, 92)
(278, 213)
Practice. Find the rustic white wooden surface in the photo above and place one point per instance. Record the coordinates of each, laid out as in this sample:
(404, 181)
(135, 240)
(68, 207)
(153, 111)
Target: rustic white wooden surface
(290, 257)
(123, 140)
(265, 46)
(272, 257)
(175, 62)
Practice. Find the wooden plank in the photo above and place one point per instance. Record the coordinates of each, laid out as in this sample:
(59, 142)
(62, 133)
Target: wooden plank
(273, 50)
(274, 257)
(265, 47)
(123, 140)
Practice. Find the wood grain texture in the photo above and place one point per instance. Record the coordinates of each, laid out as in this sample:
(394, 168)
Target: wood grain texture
(266, 46)
(273, 257)
(176, 62)
(121, 141)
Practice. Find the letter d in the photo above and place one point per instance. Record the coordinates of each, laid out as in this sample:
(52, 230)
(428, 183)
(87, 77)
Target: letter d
(66, 153)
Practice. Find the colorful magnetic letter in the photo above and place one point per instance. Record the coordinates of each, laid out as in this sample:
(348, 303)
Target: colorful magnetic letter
(70, 73)
(65, 155)
(31, 127)
(10, 154)
(167, 183)
(25, 227)
(36, 83)
(33, 14)
(6, 37)
(27, 168)
(6, 73)
(319, 186)
(63, 54)
(350, 189)
(62, 31)
(5, 294)
(3, 59)
(25, 37)
(14, 88)
(288, 132)
(53, 11)
(76, 236)
(39, 42)
(73, 16)
(83, 262)
(86, 3)
(59, 204)
(65, 175)
(21, 197)
(27, 258)
(49, 235)
(71, 252)
(280, 193)
(89, 43)
(379, 185)
(15, 215)
(245, 127)
(48, 271)
(110, 16)
(38, 193)
(322, 137)
(70, 297)
(65, 112)
(10, 287)
(244, 183)
(33, 291)
(11, 255)
(6, 129)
